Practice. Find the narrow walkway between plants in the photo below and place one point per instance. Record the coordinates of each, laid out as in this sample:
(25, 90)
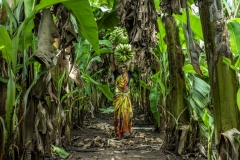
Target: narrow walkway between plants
(96, 141)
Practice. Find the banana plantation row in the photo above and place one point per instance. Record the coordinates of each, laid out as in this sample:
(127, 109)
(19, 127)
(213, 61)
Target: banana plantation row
(55, 66)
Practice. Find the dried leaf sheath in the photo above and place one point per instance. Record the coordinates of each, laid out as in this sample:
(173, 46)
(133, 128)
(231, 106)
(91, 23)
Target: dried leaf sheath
(47, 32)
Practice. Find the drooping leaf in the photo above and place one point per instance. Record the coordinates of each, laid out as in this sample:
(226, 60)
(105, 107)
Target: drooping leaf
(195, 23)
(86, 22)
(104, 88)
(234, 32)
(201, 86)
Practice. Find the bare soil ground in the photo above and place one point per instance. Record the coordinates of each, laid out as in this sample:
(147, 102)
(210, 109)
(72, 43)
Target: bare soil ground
(96, 141)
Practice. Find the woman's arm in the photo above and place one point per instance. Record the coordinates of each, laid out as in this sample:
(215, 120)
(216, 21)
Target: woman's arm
(113, 67)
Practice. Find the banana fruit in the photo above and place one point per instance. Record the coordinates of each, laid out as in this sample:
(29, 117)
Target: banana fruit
(123, 52)
(119, 35)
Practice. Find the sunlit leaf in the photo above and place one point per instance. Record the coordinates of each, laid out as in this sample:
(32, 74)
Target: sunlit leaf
(48, 3)
(205, 118)
(60, 151)
(5, 44)
(234, 31)
(238, 99)
(195, 23)
(28, 7)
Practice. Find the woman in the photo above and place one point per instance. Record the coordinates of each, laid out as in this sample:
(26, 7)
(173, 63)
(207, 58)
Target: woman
(123, 113)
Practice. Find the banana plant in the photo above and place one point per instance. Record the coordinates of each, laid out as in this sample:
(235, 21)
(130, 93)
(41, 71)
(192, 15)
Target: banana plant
(20, 31)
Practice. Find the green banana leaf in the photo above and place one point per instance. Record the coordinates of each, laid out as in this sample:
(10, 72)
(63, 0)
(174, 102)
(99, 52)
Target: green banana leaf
(10, 102)
(28, 7)
(108, 21)
(198, 100)
(85, 18)
(154, 99)
(234, 32)
(5, 44)
(196, 25)
(188, 68)
(238, 99)
(104, 88)
(162, 33)
(86, 22)
(60, 151)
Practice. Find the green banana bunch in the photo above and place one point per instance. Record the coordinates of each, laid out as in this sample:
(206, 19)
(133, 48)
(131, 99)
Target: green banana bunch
(123, 52)
(119, 35)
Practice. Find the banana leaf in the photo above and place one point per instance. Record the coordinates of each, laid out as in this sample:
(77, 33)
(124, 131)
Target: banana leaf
(196, 25)
(60, 151)
(5, 44)
(154, 99)
(234, 31)
(238, 99)
(104, 88)
(86, 22)
(108, 21)
(10, 102)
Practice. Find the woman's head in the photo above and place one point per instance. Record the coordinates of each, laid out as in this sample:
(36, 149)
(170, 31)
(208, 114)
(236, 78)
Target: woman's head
(122, 68)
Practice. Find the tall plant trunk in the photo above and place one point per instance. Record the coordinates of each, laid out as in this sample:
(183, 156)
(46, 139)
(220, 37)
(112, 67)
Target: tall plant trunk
(223, 80)
(177, 102)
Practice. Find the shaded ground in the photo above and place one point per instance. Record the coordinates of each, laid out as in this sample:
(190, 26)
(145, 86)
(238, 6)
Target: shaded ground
(96, 141)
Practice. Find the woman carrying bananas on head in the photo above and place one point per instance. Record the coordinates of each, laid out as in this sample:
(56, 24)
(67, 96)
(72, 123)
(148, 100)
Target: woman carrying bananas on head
(123, 113)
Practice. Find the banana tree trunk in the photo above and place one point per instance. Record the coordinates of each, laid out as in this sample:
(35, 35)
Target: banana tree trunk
(223, 80)
(177, 103)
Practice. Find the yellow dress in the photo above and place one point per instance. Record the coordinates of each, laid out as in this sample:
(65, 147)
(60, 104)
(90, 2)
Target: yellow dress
(122, 106)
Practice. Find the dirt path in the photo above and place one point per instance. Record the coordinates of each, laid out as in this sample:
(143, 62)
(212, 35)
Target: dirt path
(96, 141)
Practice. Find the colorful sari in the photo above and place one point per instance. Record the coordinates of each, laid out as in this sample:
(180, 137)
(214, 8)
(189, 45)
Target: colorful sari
(122, 106)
